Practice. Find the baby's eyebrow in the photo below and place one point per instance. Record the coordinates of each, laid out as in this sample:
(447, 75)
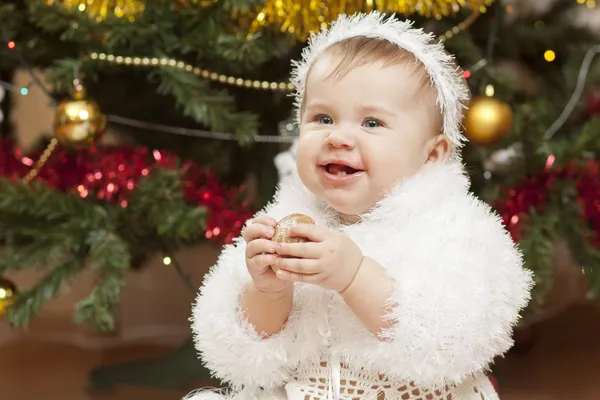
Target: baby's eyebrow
(377, 108)
(317, 104)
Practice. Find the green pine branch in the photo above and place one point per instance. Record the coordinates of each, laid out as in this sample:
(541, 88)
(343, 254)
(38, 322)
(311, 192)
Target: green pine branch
(10, 21)
(100, 307)
(30, 302)
(578, 233)
(583, 142)
(158, 209)
(214, 108)
(61, 73)
(537, 245)
(107, 251)
(61, 234)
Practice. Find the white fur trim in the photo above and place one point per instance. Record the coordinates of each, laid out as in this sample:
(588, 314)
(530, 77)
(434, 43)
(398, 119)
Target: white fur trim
(452, 93)
(459, 282)
(229, 345)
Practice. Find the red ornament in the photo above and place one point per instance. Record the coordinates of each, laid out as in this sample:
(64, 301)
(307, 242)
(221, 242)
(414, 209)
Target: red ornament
(111, 174)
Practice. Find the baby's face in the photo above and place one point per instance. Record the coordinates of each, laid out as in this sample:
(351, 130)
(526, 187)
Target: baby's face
(361, 134)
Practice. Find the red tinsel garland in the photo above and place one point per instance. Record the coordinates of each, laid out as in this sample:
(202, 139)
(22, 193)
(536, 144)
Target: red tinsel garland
(534, 192)
(112, 173)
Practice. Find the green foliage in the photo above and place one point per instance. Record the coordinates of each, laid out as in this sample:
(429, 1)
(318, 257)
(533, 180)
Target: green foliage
(62, 235)
(537, 245)
(30, 302)
(584, 142)
(10, 21)
(578, 233)
(214, 108)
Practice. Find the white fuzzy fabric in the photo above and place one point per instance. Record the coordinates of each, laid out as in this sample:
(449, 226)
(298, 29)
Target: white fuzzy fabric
(459, 287)
(285, 162)
(452, 92)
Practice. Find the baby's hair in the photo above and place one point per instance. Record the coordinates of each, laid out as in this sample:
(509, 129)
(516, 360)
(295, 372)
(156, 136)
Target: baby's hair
(361, 50)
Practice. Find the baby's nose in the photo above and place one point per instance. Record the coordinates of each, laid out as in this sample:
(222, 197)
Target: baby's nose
(341, 138)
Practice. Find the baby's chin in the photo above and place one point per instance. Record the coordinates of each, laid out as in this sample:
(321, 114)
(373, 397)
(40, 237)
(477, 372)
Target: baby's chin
(348, 211)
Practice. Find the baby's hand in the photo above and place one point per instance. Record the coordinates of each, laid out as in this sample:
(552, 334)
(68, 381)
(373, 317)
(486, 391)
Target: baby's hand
(260, 255)
(330, 259)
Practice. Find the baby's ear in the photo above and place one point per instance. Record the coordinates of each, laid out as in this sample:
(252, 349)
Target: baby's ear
(438, 149)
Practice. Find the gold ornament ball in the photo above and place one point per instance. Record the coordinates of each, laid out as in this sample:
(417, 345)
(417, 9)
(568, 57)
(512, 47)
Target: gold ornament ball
(78, 121)
(487, 121)
(8, 294)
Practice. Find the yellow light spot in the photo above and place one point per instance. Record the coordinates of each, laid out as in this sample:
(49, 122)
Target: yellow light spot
(549, 55)
(489, 90)
(167, 260)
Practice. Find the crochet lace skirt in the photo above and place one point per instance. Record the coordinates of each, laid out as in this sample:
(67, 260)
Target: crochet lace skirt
(314, 384)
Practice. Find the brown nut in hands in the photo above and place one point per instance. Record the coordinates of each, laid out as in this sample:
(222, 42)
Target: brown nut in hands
(285, 224)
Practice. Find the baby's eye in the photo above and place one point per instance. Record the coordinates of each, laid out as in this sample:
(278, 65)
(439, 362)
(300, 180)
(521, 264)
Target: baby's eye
(324, 119)
(372, 123)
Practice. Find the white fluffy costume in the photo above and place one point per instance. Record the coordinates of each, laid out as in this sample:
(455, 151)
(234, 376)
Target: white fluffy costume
(459, 284)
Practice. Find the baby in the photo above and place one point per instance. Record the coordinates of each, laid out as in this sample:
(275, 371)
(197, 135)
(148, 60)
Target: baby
(407, 286)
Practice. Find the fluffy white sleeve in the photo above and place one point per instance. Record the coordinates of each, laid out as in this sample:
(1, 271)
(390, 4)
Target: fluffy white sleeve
(228, 343)
(459, 289)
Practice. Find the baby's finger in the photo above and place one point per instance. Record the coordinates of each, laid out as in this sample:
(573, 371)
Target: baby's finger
(300, 250)
(259, 246)
(295, 277)
(265, 220)
(299, 265)
(314, 233)
(262, 261)
(258, 230)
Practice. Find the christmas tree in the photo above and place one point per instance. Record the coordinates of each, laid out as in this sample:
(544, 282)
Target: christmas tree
(199, 90)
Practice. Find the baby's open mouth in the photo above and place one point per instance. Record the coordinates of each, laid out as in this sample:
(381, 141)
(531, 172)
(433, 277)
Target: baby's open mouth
(340, 169)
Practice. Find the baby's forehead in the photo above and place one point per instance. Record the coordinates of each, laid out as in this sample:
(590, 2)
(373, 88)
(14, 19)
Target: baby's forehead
(331, 71)
(346, 56)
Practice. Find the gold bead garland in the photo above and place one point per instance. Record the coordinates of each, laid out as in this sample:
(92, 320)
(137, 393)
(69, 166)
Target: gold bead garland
(204, 73)
(464, 25)
(237, 81)
(31, 175)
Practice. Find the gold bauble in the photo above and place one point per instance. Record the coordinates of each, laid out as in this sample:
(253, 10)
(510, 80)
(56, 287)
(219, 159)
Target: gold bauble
(8, 294)
(487, 120)
(282, 230)
(78, 121)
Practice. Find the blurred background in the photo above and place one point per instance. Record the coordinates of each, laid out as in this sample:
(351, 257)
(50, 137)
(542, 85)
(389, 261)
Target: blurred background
(137, 136)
